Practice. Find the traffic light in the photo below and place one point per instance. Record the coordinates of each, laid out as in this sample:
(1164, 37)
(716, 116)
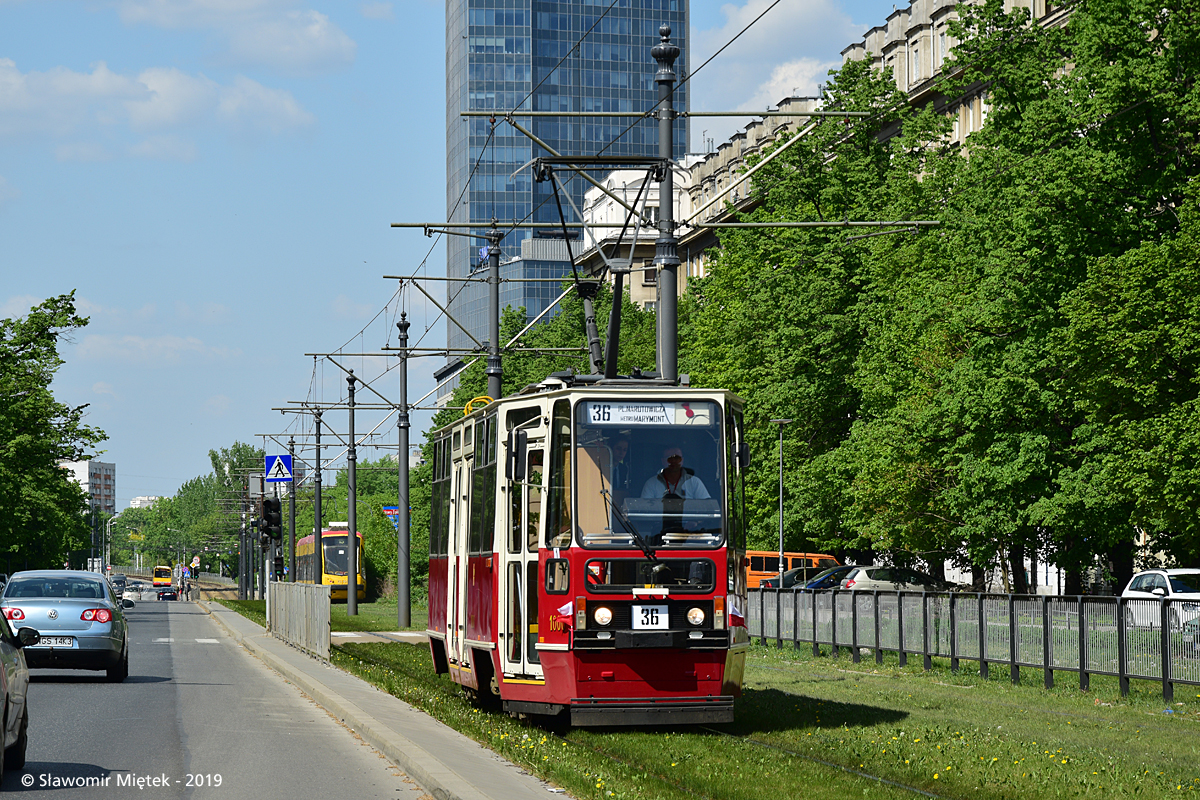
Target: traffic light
(272, 523)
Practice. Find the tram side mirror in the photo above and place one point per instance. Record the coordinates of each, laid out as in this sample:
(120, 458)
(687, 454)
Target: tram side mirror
(514, 466)
(743, 456)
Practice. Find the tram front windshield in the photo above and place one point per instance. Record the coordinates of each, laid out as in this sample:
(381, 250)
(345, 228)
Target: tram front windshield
(337, 560)
(649, 474)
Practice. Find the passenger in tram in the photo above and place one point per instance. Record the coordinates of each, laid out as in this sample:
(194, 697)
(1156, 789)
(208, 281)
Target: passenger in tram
(620, 468)
(675, 481)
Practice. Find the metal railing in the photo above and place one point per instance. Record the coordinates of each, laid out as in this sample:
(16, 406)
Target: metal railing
(298, 613)
(1126, 638)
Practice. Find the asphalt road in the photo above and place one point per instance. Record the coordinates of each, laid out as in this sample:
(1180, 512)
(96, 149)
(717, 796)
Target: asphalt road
(197, 717)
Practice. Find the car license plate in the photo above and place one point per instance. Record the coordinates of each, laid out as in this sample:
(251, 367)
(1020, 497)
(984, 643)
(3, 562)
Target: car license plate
(648, 618)
(57, 641)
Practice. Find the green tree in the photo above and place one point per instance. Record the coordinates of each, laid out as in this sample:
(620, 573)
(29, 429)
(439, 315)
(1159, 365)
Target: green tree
(42, 510)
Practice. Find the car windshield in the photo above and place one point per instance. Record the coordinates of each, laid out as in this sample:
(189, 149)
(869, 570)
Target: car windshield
(1185, 584)
(650, 471)
(32, 587)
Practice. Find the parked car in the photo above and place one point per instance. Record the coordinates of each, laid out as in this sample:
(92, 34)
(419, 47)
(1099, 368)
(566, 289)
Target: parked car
(80, 623)
(809, 578)
(893, 579)
(1152, 585)
(118, 583)
(14, 683)
(168, 593)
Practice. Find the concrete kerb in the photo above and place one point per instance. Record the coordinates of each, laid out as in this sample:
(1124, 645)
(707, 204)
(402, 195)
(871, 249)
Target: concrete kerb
(434, 776)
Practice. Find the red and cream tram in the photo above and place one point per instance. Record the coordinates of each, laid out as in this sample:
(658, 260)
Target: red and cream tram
(586, 550)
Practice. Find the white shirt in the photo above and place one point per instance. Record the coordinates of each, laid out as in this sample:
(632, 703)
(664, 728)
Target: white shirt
(689, 487)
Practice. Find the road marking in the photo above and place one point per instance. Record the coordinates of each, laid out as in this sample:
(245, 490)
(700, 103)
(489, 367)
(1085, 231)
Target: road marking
(163, 641)
(208, 641)
(344, 633)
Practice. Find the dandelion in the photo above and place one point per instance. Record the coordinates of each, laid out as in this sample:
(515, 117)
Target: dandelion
(935, 776)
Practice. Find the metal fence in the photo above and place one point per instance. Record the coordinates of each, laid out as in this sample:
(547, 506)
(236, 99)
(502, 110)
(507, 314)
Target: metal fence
(1141, 639)
(298, 613)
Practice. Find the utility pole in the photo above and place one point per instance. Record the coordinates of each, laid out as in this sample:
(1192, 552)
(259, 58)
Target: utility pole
(666, 247)
(403, 610)
(292, 513)
(494, 371)
(318, 547)
(781, 423)
(352, 509)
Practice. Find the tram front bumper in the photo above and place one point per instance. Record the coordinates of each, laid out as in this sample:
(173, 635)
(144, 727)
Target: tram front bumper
(599, 711)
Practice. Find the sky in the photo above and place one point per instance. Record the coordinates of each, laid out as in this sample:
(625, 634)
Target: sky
(215, 180)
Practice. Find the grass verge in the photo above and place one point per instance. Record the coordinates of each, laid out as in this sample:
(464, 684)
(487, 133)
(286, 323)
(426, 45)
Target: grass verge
(253, 610)
(377, 616)
(812, 723)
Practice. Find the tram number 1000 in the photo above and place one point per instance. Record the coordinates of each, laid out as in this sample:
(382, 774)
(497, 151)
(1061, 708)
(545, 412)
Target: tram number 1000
(650, 617)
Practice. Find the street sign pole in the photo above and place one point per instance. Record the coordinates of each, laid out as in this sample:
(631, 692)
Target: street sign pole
(351, 512)
(292, 515)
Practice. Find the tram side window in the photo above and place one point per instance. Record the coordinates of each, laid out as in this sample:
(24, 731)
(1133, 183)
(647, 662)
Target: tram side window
(439, 530)
(558, 576)
(734, 439)
(558, 522)
(483, 500)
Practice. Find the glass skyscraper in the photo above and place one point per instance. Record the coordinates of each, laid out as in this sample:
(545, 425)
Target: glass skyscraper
(497, 52)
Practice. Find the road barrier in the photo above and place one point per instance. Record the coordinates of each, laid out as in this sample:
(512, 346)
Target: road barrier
(1130, 639)
(298, 613)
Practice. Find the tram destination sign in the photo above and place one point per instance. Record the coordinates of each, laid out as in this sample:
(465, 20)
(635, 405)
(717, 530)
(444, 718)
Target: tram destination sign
(632, 413)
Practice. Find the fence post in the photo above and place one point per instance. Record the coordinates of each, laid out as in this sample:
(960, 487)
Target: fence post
(1167, 684)
(796, 617)
(878, 646)
(983, 664)
(1014, 649)
(1047, 645)
(779, 618)
(833, 622)
(953, 633)
(925, 630)
(1084, 676)
(854, 657)
(900, 629)
(1122, 649)
(762, 615)
(816, 646)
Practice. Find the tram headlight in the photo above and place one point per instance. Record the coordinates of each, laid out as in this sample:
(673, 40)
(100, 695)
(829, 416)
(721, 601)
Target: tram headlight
(696, 616)
(602, 615)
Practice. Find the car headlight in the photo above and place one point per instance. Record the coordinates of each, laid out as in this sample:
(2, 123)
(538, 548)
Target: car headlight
(602, 615)
(696, 616)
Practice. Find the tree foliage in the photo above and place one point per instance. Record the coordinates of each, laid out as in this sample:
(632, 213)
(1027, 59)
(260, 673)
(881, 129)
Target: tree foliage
(1019, 379)
(42, 509)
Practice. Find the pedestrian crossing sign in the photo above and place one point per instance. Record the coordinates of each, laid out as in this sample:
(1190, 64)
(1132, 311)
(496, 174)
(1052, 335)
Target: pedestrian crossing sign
(279, 469)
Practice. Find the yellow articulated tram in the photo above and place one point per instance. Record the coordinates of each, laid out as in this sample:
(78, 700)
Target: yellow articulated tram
(334, 563)
(162, 576)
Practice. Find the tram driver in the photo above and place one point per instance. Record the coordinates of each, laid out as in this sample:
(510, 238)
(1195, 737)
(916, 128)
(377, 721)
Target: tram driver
(675, 481)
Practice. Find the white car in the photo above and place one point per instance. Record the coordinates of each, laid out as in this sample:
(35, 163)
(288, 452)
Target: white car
(1180, 587)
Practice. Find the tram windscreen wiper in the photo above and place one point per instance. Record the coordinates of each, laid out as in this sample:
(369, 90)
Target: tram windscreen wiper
(629, 526)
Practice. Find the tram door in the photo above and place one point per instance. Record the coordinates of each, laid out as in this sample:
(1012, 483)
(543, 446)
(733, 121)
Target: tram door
(456, 596)
(519, 632)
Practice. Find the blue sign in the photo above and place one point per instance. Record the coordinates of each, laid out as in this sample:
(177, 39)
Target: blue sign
(279, 469)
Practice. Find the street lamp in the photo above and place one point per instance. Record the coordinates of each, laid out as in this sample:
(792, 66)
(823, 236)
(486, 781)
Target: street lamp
(781, 423)
(108, 538)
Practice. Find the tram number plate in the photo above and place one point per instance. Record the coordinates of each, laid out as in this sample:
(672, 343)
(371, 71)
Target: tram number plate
(648, 618)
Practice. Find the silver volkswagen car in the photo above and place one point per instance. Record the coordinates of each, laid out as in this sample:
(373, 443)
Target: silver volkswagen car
(80, 623)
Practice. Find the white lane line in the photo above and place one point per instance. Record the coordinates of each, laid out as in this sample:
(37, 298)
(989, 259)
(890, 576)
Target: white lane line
(164, 641)
(208, 641)
(345, 633)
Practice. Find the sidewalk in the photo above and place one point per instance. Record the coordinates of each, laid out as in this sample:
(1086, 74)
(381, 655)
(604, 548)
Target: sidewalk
(448, 765)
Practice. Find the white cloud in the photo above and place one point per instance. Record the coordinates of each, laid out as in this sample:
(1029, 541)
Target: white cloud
(382, 11)
(148, 350)
(83, 109)
(269, 33)
(100, 387)
(785, 53)
(164, 148)
(19, 305)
